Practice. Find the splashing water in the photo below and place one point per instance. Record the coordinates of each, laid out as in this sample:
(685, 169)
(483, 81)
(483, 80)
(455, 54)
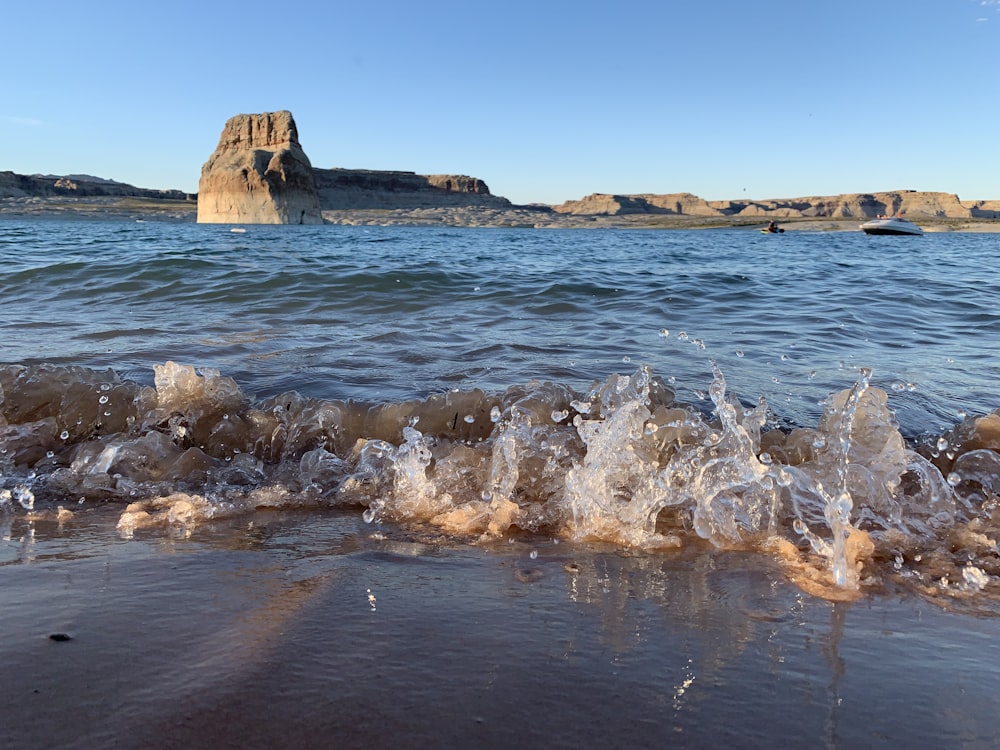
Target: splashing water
(625, 463)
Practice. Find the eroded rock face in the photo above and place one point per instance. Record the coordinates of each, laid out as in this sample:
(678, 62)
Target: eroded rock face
(347, 189)
(258, 174)
(677, 204)
(911, 203)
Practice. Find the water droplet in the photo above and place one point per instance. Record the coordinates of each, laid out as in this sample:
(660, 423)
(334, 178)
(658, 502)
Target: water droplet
(559, 416)
(64, 434)
(495, 414)
(775, 379)
(739, 352)
(534, 554)
(942, 444)
(49, 454)
(975, 579)
(954, 479)
(468, 419)
(784, 357)
(102, 400)
(24, 496)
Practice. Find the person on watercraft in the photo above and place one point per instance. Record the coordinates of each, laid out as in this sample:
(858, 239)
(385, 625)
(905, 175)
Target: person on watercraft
(772, 227)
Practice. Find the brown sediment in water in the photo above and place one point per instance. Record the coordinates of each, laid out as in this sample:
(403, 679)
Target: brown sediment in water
(625, 464)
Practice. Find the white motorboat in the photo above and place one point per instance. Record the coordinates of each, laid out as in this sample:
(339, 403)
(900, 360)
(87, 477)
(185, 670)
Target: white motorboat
(891, 225)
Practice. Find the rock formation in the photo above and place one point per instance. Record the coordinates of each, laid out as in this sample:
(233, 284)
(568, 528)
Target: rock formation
(677, 204)
(352, 189)
(77, 186)
(258, 174)
(911, 203)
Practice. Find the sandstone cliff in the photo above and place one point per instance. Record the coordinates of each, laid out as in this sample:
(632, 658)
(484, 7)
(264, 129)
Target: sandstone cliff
(77, 186)
(911, 203)
(258, 174)
(351, 189)
(676, 204)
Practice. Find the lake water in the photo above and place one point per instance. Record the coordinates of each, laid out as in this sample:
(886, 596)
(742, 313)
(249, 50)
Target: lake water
(434, 486)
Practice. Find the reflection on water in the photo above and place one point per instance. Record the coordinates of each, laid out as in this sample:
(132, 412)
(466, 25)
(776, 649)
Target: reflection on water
(247, 631)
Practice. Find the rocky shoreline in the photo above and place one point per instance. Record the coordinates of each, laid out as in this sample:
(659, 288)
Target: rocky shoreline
(130, 208)
(102, 207)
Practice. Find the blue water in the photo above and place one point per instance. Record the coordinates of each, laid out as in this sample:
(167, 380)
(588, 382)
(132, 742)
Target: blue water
(643, 388)
(387, 314)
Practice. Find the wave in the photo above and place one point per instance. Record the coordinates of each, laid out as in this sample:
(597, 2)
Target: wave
(847, 505)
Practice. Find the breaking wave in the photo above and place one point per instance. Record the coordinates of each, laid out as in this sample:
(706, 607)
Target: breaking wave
(847, 505)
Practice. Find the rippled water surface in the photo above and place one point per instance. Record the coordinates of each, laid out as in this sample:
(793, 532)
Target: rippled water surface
(391, 313)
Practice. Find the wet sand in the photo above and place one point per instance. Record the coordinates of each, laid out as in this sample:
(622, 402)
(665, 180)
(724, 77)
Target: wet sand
(317, 630)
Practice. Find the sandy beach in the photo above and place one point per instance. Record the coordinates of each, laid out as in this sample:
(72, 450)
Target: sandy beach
(309, 631)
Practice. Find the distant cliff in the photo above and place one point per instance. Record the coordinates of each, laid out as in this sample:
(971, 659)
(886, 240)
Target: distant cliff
(259, 173)
(353, 189)
(911, 203)
(77, 186)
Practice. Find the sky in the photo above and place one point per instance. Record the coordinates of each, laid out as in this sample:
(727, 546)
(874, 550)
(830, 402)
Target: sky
(546, 101)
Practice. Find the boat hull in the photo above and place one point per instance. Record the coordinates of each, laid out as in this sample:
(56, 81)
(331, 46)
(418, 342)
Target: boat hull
(891, 227)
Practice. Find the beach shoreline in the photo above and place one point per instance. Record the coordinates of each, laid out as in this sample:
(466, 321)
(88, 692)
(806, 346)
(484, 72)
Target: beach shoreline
(308, 628)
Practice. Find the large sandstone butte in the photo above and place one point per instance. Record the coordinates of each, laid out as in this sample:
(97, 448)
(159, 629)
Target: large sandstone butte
(258, 174)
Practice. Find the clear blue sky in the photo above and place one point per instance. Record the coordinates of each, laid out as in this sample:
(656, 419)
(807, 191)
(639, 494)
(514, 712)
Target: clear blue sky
(546, 101)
